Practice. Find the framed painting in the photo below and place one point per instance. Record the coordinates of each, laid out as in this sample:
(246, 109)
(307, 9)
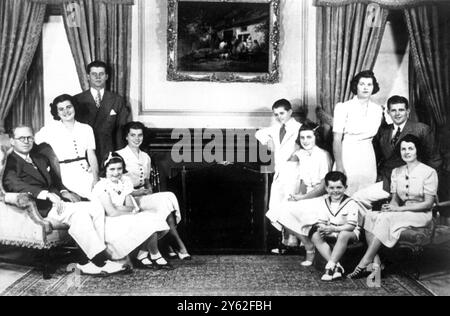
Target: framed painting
(223, 40)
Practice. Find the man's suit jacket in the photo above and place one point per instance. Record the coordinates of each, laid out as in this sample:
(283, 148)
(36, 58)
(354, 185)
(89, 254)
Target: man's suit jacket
(387, 157)
(106, 121)
(21, 176)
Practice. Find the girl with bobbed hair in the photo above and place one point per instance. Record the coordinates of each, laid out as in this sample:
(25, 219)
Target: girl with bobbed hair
(299, 213)
(413, 192)
(163, 203)
(74, 145)
(355, 123)
(126, 227)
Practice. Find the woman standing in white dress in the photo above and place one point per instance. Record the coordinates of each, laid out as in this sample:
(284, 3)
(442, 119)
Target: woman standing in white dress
(355, 123)
(74, 145)
(139, 167)
(126, 227)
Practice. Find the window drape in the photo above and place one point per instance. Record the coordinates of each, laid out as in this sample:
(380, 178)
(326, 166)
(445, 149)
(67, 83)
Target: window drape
(349, 39)
(429, 33)
(29, 105)
(20, 33)
(100, 30)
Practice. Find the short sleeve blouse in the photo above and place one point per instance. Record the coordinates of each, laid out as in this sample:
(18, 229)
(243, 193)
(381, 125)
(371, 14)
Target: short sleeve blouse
(412, 185)
(116, 191)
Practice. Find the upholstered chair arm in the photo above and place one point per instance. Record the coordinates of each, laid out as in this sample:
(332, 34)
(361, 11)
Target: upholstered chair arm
(25, 201)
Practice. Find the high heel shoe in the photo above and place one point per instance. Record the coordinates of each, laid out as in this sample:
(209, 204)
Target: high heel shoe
(359, 273)
(171, 253)
(184, 256)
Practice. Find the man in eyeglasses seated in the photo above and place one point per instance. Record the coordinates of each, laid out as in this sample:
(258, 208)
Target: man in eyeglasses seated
(31, 173)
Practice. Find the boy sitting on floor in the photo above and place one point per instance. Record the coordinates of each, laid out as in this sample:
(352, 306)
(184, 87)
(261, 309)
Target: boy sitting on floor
(337, 221)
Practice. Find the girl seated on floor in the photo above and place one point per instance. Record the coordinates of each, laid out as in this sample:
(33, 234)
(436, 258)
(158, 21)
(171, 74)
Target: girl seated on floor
(126, 227)
(337, 222)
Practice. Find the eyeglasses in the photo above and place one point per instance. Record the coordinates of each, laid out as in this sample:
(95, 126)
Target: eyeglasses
(25, 139)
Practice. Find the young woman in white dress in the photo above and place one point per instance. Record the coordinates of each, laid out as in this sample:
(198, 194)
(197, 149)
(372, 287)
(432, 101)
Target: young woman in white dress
(299, 213)
(163, 203)
(355, 123)
(74, 145)
(127, 227)
(413, 192)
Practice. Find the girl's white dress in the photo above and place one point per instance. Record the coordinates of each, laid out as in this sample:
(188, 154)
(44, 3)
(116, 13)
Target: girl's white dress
(76, 176)
(299, 216)
(125, 233)
(139, 167)
(359, 124)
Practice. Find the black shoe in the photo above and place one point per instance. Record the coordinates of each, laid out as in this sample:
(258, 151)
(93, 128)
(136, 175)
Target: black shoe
(165, 266)
(359, 273)
(143, 264)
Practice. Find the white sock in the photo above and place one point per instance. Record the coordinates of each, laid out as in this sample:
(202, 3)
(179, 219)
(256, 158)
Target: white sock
(142, 254)
(330, 265)
(159, 259)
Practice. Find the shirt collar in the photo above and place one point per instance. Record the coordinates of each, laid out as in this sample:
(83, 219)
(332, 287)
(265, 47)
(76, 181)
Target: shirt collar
(24, 157)
(402, 126)
(94, 92)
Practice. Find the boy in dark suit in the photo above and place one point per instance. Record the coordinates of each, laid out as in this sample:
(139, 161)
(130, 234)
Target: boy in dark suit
(106, 112)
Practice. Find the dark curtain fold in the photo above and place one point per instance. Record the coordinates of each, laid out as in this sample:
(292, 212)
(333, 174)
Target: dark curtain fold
(429, 33)
(100, 31)
(29, 106)
(20, 32)
(349, 39)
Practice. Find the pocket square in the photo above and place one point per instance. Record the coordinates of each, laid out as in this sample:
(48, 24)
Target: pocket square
(112, 112)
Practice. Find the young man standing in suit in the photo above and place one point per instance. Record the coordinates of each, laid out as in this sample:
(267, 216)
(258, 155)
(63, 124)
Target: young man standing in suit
(106, 112)
(388, 136)
(31, 173)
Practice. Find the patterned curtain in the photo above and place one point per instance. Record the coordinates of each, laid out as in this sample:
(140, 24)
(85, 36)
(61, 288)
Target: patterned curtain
(20, 33)
(429, 33)
(388, 4)
(100, 30)
(29, 105)
(349, 39)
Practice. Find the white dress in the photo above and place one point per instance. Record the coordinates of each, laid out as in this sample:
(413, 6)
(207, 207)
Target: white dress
(411, 186)
(359, 124)
(139, 167)
(76, 176)
(125, 233)
(299, 216)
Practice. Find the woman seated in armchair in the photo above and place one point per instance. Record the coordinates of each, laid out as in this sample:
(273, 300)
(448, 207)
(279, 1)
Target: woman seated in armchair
(163, 203)
(413, 191)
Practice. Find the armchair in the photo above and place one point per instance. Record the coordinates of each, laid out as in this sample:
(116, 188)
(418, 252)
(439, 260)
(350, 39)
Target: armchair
(21, 225)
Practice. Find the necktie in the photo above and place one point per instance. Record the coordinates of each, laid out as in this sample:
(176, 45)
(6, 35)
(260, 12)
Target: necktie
(28, 159)
(98, 99)
(282, 132)
(396, 136)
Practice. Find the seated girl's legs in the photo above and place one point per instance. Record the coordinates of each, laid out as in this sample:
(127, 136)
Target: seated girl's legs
(373, 245)
(174, 233)
(322, 246)
(340, 247)
(151, 245)
(309, 246)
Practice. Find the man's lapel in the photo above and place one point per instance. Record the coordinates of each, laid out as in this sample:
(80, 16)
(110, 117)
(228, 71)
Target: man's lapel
(42, 168)
(29, 169)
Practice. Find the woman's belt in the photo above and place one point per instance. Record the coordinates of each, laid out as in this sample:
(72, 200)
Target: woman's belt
(73, 160)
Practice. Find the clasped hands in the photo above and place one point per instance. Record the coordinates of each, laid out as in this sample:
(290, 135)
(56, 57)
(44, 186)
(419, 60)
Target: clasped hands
(385, 208)
(325, 230)
(59, 203)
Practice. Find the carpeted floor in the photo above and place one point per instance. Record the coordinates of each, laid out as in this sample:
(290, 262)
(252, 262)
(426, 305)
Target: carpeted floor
(212, 275)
